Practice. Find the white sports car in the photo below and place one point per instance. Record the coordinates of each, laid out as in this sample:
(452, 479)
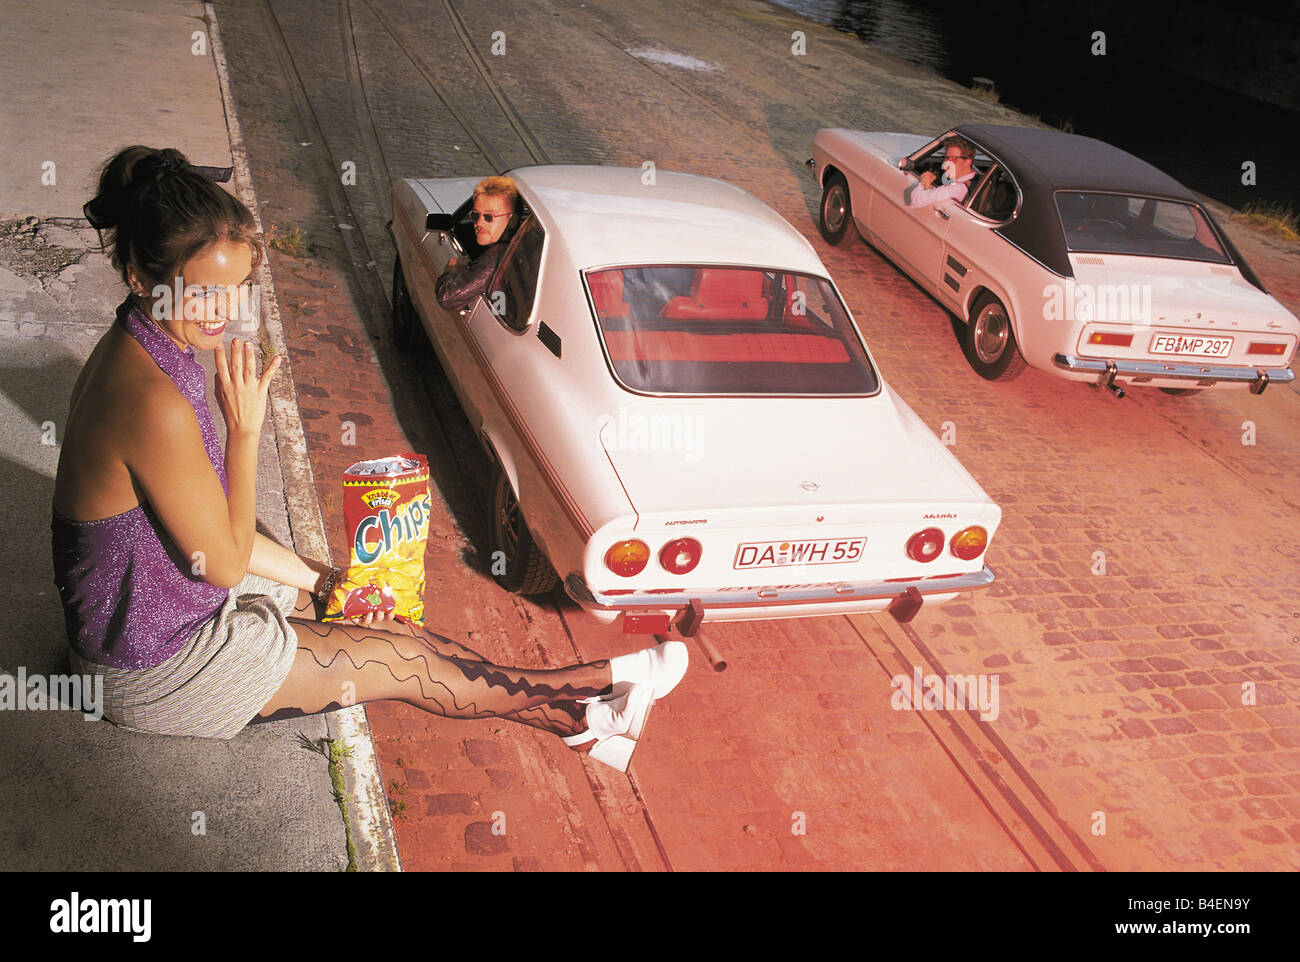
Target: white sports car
(1065, 254)
(685, 420)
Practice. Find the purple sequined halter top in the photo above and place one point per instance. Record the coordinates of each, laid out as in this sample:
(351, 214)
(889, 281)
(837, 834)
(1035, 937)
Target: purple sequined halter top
(129, 597)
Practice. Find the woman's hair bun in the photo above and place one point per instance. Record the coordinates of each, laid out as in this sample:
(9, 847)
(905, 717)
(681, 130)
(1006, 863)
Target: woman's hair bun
(166, 161)
(124, 176)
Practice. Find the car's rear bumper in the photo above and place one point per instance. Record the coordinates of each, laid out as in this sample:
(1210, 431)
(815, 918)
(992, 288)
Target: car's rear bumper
(1107, 369)
(687, 609)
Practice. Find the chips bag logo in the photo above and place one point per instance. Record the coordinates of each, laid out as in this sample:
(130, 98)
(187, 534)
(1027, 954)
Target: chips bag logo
(386, 510)
(380, 498)
(381, 533)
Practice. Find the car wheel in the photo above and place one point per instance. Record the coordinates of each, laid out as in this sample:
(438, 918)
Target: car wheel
(836, 222)
(405, 321)
(517, 564)
(991, 343)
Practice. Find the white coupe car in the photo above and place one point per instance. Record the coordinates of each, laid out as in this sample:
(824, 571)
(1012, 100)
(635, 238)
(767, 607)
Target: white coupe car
(1065, 254)
(686, 423)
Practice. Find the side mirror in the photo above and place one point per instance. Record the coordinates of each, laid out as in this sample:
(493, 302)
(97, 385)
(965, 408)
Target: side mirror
(905, 164)
(439, 222)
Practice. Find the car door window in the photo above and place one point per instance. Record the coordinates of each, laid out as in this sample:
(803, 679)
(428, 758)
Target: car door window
(931, 159)
(513, 289)
(997, 197)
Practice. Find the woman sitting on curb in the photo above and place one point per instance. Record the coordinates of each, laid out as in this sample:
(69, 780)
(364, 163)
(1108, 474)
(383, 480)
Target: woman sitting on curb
(197, 623)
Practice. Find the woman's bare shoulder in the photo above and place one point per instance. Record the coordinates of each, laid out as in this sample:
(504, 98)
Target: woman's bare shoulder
(120, 372)
(121, 391)
(117, 400)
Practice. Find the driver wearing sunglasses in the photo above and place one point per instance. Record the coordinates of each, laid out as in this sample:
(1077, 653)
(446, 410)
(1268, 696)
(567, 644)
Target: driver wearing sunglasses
(496, 203)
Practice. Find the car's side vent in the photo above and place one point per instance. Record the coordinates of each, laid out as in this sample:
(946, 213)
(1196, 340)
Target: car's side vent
(549, 338)
(1098, 261)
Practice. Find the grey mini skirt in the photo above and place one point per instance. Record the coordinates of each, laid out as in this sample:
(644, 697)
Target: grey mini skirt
(223, 676)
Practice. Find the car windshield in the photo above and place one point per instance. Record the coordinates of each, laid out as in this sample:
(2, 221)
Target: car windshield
(688, 329)
(1119, 224)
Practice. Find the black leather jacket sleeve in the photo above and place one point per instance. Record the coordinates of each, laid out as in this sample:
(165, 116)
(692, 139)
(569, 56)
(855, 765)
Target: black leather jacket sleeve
(458, 289)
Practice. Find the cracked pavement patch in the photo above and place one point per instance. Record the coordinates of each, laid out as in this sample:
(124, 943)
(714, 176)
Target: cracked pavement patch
(32, 246)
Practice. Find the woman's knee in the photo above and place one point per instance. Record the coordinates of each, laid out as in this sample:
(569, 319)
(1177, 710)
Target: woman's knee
(373, 663)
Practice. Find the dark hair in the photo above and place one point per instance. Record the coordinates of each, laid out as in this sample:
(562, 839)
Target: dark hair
(161, 212)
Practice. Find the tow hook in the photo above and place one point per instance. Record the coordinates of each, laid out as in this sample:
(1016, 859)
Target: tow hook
(1257, 386)
(906, 605)
(1108, 380)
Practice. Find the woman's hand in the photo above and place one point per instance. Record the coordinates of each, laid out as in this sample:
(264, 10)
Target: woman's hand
(168, 459)
(241, 394)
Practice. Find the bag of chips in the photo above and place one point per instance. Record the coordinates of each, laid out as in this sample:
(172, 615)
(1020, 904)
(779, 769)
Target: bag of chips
(386, 511)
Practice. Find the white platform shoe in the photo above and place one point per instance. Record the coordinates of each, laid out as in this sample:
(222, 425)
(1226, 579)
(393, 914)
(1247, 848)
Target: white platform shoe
(614, 726)
(660, 667)
(640, 679)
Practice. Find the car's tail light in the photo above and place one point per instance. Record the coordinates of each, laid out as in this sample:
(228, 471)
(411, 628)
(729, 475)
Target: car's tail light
(627, 558)
(925, 545)
(1266, 347)
(680, 555)
(1114, 340)
(969, 543)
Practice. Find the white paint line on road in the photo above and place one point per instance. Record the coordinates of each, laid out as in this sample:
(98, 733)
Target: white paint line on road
(673, 59)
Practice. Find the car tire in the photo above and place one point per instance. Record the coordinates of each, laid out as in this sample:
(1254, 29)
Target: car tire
(517, 564)
(406, 323)
(990, 341)
(836, 220)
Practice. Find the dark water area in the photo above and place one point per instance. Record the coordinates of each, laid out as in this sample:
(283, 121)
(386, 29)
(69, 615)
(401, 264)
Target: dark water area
(1169, 87)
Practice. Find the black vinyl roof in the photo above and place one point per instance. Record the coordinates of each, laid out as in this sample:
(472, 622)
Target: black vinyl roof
(1045, 161)
(1054, 160)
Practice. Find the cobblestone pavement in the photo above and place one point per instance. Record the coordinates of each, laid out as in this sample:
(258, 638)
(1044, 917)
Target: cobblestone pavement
(1144, 626)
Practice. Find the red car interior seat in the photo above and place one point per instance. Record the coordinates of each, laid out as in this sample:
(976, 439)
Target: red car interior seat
(607, 292)
(720, 293)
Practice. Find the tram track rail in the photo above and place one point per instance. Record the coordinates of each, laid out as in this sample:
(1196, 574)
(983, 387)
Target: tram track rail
(992, 770)
(513, 117)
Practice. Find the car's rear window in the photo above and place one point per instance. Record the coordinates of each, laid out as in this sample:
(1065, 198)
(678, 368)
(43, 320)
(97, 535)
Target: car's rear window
(1119, 224)
(694, 329)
